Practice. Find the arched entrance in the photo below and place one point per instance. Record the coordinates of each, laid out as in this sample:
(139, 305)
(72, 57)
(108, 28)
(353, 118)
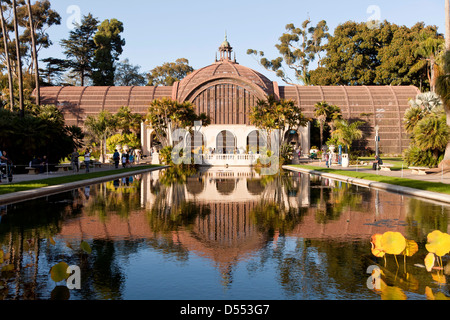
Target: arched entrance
(292, 137)
(225, 142)
(255, 142)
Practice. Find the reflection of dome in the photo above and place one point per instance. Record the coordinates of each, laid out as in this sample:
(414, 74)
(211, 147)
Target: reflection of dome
(254, 186)
(194, 186)
(225, 186)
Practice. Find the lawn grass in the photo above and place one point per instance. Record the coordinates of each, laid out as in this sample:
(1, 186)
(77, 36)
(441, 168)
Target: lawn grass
(411, 183)
(33, 184)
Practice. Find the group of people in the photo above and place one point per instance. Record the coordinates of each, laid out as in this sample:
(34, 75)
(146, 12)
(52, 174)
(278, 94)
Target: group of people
(75, 160)
(127, 158)
(39, 163)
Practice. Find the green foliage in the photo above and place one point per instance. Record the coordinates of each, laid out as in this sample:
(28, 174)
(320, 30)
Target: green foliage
(426, 122)
(346, 133)
(109, 46)
(79, 48)
(298, 47)
(40, 132)
(165, 116)
(129, 139)
(358, 55)
(128, 74)
(169, 73)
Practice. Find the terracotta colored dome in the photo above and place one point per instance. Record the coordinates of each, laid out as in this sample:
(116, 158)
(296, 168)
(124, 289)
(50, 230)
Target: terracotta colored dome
(223, 71)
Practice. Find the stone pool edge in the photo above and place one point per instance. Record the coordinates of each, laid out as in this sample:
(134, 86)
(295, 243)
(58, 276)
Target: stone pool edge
(436, 196)
(25, 195)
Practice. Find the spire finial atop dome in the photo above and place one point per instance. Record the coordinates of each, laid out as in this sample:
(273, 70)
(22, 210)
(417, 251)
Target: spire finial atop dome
(225, 49)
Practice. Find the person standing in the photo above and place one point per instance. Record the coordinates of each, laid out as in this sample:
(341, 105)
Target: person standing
(116, 158)
(74, 159)
(87, 159)
(124, 159)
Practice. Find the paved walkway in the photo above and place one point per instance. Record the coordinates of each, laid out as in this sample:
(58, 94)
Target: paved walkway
(405, 173)
(17, 178)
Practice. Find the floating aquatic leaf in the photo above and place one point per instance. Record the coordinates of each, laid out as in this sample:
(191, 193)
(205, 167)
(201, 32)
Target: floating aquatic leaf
(51, 241)
(8, 267)
(438, 243)
(411, 248)
(375, 242)
(86, 247)
(2, 254)
(393, 242)
(429, 261)
(59, 272)
(439, 278)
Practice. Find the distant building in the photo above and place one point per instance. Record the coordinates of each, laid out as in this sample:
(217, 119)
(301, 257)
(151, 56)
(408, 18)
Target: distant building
(226, 91)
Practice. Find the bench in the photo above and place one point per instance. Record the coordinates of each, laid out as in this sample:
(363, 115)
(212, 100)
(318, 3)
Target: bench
(63, 167)
(92, 164)
(419, 170)
(32, 170)
(386, 167)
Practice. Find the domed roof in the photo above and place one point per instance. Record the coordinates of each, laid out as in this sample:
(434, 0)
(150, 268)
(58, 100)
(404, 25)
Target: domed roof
(224, 71)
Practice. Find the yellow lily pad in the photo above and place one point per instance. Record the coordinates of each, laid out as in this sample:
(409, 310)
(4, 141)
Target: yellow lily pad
(411, 248)
(429, 261)
(438, 243)
(393, 242)
(375, 242)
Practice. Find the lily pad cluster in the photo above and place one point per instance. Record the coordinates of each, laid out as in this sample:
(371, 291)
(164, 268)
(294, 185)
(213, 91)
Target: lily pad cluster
(390, 242)
(393, 243)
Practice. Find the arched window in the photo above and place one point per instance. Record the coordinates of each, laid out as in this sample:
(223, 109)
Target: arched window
(225, 142)
(255, 142)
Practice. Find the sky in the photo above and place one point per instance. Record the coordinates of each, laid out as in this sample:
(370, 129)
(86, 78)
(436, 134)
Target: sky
(163, 31)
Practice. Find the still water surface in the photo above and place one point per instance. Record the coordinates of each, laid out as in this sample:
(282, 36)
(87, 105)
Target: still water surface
(217, 234)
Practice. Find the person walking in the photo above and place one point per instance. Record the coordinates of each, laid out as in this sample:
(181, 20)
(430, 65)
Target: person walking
(87, 159)
(116, 158)
(74, 159)
(124, 159)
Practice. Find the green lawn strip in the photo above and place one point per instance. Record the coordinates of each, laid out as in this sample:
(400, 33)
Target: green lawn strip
(33, 184)
(411, 183)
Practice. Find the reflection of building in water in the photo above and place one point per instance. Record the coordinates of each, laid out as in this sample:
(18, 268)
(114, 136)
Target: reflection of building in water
(228, 232)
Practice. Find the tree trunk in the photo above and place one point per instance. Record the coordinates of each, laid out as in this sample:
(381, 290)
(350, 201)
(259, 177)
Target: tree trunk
(8, 61)
(447, 150)
(447, 25)
(19, 61)
(35, 57)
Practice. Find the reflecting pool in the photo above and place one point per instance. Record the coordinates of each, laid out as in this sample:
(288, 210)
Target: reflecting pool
(218, 234)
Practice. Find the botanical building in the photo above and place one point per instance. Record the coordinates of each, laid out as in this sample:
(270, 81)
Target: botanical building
(226, 90)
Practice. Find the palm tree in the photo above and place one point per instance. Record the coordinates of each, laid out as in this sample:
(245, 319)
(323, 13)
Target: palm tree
(19, 60)
(443, 89)
(100, 128)
(35, 58)
(346, 132)
(447, 25)
(321, 113)
(432, 133)
(8, 61)
(428, 48)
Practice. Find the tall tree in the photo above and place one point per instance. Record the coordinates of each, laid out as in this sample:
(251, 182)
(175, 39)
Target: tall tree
(34, 50)
(19, 60)
(358, 55)
(80, 47)
(53, 70)
(8, 60)
(109, 46)
(128, 74)
(443, 89)
(100, 128)
(169, 72)
(298, 47)
(428, 50)
(447, 25)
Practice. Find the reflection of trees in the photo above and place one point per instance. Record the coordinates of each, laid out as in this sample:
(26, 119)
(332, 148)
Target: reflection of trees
(424, 217)
(277, 209)
(331, 201)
